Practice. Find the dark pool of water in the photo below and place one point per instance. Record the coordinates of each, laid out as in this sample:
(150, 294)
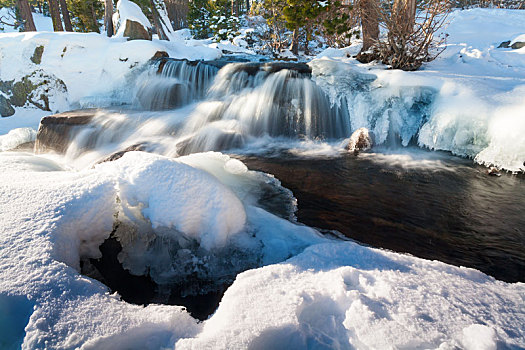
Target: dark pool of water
(435, 206)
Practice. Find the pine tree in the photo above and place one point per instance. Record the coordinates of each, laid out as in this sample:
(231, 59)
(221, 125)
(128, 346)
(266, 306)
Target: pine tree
(65, 16)
(301, 15)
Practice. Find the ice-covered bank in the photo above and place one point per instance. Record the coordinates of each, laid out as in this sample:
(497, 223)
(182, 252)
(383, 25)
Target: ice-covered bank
(332, 295)
(478, 109)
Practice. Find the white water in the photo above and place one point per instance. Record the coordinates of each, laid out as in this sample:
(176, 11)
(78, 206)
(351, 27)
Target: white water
(254, 108)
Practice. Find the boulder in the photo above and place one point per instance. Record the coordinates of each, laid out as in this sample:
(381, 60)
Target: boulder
(6, 109)
(361, 140)
(54, 131)
(136, 31)
(516, 45)
(160, 54)
(37, 55)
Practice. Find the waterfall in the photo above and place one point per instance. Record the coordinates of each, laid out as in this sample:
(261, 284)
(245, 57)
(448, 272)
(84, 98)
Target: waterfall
(174, 83)
(188, 107)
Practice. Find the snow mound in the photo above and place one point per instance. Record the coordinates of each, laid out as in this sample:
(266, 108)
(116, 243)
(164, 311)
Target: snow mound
(165, 192)
(345, 296)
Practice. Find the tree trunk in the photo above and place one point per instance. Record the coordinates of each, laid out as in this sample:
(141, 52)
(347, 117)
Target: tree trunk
(295, 42)
(94, 21)
(157, 21)
(247, 6)
(108, 17)
(177, 13)
(54, 10)
(27, 15)
(65, 16)
(370, 22)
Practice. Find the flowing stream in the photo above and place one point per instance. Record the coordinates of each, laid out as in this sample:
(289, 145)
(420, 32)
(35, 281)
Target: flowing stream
(293, 121)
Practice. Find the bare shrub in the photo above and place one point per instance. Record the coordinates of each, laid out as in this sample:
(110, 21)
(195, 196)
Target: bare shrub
(411, 38)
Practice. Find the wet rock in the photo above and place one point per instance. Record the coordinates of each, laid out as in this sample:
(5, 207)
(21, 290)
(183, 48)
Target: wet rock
(136, 31)
(517, 45)
(504, 45)
(120, 154)
(361, 140)
(37, 55)
(221, 142)
(493, 171)
(6, 109)
(54, 130)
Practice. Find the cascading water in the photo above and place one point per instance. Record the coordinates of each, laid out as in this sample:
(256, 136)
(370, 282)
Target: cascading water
(245, 102)
(174, 83)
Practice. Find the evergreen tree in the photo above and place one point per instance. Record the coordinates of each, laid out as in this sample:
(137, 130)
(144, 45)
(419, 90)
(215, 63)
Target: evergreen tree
(301, 15)
(86, 14)
(199, 18)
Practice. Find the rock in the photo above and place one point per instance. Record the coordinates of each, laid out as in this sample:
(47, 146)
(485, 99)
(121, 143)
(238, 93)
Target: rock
(54, 131)
(6, 109)
(493, 171)
(136, 31)
(366, 57)
(120, 154)
(221, 142)
(361, 140)
(517, 45)
(35, 89)
(160, 54)
(37, 55)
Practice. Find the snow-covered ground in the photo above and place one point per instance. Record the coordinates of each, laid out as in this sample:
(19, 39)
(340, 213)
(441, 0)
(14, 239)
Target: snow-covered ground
(313, 292)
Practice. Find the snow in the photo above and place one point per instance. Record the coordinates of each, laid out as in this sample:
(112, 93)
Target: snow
(519, 38)
(42, 23)
(313, 292)
(16, 137)
(96, 70)
(164, 190)
(344, 296)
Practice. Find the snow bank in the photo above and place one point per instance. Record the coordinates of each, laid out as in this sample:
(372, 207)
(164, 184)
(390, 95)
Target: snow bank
(345, 296)
(48, 220)
(95, 70)
(333, 294)
(16, 137)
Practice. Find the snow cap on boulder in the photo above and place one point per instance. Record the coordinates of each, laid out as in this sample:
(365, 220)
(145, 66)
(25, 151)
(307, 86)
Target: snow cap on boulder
(131, 22)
